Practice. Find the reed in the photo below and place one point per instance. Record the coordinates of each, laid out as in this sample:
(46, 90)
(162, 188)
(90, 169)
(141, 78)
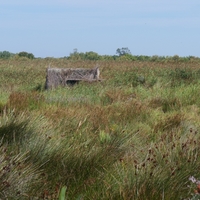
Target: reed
(135, 135)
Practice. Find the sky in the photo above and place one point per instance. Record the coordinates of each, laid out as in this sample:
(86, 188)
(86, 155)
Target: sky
(55, 28)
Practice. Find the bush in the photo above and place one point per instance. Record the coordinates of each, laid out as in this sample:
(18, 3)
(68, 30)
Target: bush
(25, 54)
(5, 54)
(180, 76)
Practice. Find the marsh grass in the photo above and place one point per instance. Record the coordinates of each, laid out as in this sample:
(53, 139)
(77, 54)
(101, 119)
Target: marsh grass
(134, 135)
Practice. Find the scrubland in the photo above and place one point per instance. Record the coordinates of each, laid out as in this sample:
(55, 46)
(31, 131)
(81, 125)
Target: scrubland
(134, 135)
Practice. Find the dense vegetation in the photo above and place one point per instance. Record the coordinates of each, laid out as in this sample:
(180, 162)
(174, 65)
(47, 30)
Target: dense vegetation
(135, 135)
(122, 54)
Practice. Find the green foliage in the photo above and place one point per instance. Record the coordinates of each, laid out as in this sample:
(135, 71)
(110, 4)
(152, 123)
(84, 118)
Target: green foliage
(62, 193)
(124, 54)
(5, 54)
(84, 56)
(123, 51)
(128, 78)
(25, 54)
(183, 76)
(91, 56)
(104, 137)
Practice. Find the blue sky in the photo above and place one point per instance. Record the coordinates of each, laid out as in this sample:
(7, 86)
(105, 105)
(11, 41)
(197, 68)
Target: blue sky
(54, 28)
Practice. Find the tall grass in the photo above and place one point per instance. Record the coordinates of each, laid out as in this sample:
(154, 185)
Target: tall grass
(132, 136)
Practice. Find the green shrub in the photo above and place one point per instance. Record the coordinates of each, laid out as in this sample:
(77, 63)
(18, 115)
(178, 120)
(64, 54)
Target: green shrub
(180, 76)
(25, 54)
(6, 54)
(128, 78)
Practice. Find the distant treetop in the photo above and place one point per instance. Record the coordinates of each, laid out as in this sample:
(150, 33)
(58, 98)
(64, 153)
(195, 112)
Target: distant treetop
(123, 51)
(122, 54)
(25, 54)
(5, 54)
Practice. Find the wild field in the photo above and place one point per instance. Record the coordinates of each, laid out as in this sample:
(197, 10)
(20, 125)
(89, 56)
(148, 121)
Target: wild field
(135, 135)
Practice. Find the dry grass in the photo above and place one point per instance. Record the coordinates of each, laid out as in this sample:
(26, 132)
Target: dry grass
(132, 136)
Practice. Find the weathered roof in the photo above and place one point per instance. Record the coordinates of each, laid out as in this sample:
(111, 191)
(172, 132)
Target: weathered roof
(60, 76)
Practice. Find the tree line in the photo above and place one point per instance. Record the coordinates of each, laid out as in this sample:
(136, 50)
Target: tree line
(7, 55)
(122, 54)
